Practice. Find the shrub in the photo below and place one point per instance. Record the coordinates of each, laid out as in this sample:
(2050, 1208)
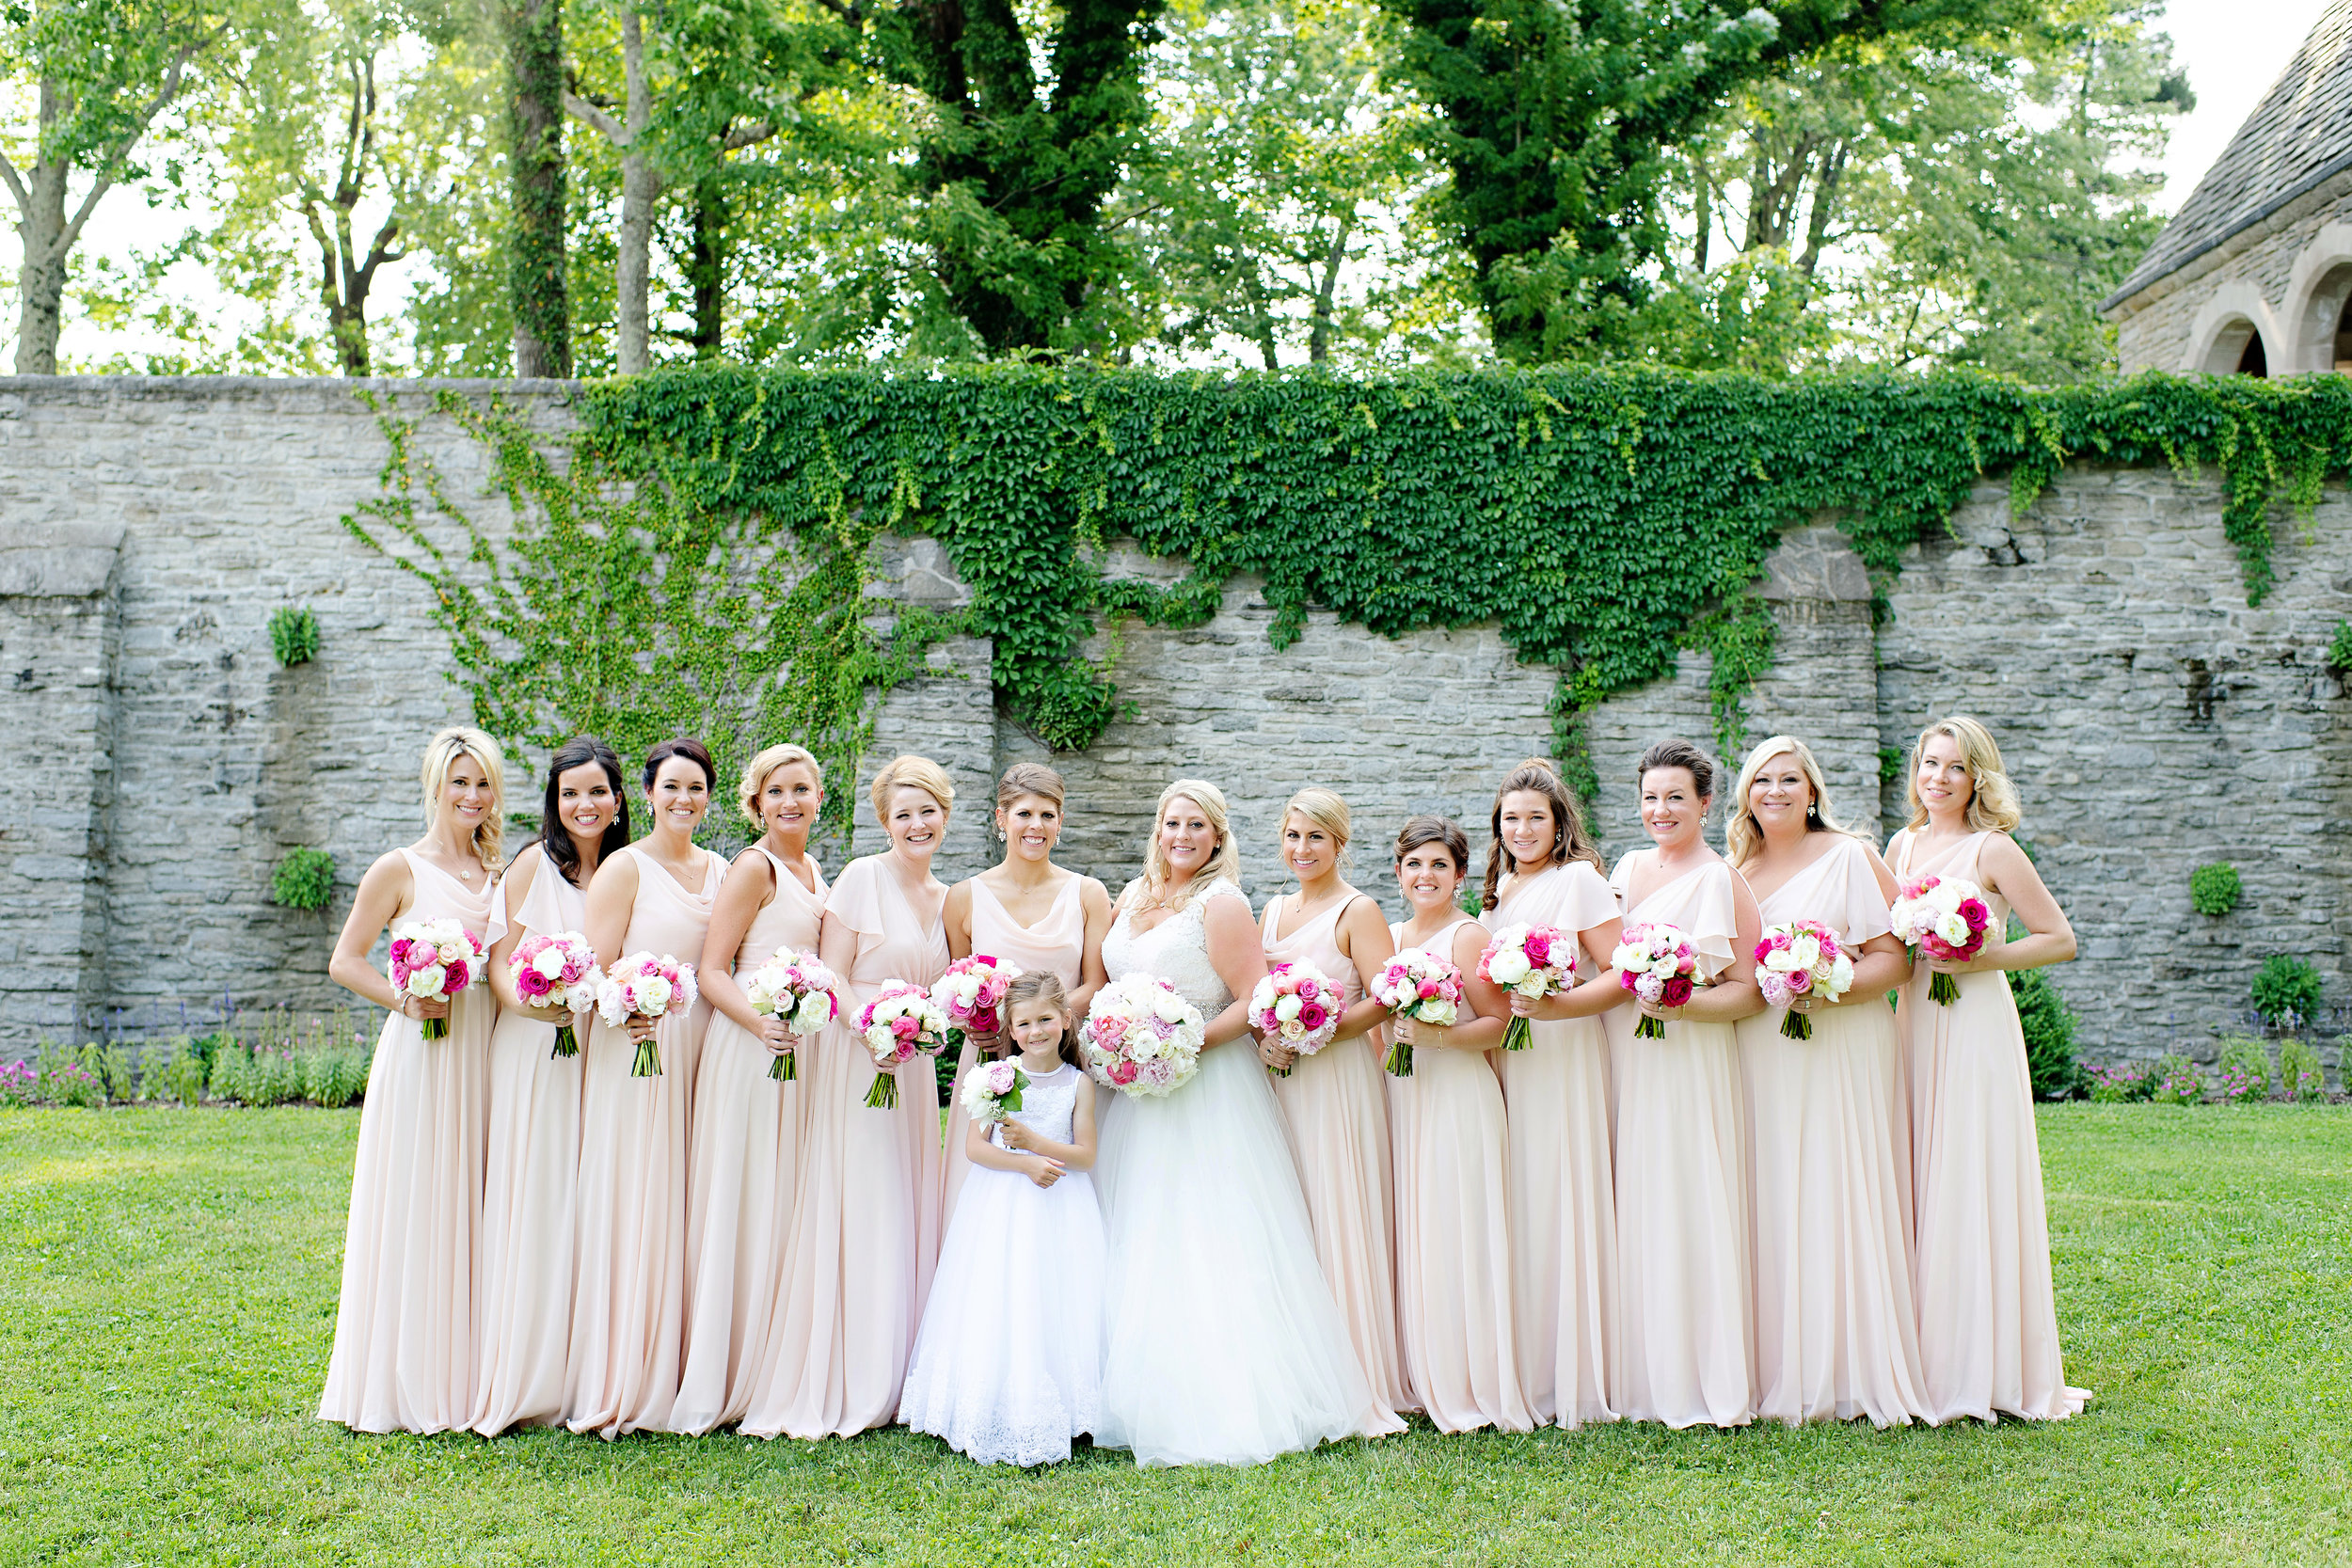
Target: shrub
(117, 1080)
(304, 880)
(186, 1066)
(2300, 1072)
(294, 635)
(2215, 889)
(20, 1084)
(274, 1077)
(2179, 1082)
(2243, 1076)
(2117, 1083)
(230, 1072)
(69, 1082)
(334, 1078)
(2340, 648)
(2287, 992)
(2049, 1024)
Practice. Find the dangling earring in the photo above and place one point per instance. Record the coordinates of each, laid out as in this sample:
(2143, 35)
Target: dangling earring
(1812, 812)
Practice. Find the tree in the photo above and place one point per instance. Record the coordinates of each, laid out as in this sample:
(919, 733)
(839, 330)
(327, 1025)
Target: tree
(532, 33)
(98, 74)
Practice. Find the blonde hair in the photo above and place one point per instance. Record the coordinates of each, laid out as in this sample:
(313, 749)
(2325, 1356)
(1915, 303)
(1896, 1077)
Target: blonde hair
(1993, 802)
(1744, 836)
(1225, 863)
(756, 773)
(440, 754)
(1028, 778)
(1322, 807)
(917, 772)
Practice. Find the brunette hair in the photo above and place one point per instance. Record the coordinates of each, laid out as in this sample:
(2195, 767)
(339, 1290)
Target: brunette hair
(440, 754)
(1224, 865)
(1043, 985)
(555, 840)
(1571, 840)
(1743, 837)
(692, 750)
(783, 755)
(1433, 830)
(1993, 804)
(914, 773)
(1028, 778)
(1679, 754)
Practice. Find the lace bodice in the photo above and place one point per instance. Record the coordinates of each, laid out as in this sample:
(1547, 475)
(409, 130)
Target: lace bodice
(1048, 1106)
(1176, 950)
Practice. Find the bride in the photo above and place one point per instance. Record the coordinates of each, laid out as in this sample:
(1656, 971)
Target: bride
(1225, 1345)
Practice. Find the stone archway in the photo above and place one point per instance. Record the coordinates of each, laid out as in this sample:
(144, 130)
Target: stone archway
(2318, 318)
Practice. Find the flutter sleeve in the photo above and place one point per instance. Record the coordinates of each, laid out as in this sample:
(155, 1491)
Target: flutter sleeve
(1862, 909)
(1585, 900)
(855, 900)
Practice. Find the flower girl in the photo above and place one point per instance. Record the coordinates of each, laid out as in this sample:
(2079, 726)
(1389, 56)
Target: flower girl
(1007, 1364)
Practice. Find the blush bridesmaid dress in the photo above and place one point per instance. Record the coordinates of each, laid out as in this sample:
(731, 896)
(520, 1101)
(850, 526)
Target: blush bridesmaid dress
(1685, 1303)
(1336, 1112)
(743, 1168)
(1454, 1298)
(1988, 1314)
(404, 1356)
(629, 1302)
(1830, 1142)
(866, 1221)
(531, 1190)
(1058, 941)
(1562, 1172)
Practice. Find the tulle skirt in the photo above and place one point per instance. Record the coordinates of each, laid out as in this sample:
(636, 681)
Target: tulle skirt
(1008, 1363)
(1224, 1344)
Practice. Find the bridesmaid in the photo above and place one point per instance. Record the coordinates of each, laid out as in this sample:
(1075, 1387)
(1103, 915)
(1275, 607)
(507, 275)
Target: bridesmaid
(744, 1154)
(1988, 1317)
(1684, 1288)
(1544, 869)
(403, 1357)
(1333, 1104)
(628, 1305)
(1029, 912)
(1454, 1229)
(1829, 1136)
(533, 1166)
(866, 1221)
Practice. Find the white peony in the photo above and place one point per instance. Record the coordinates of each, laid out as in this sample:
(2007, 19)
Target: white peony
(1509, 967)
(1169, 1008)
(1806, 951)
(653, 994)
(1952, 928)
(1288, 1007)
(549, 963)
(1841, 975)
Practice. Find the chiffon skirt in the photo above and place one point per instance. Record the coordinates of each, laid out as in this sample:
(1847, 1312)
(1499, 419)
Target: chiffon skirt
(528, 1215)
(1337, 1111)
(404, 1356)
(1683, 1281)
(629, 1299)
(1009, 1365)
(744, 1160)
(1453, 1242)
(1836, 1336)
(1988, 1315)
(1563, 1221)
(1224, 1344)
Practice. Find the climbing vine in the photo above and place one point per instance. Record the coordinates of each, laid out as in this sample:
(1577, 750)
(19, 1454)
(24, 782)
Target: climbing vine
(1603, 520)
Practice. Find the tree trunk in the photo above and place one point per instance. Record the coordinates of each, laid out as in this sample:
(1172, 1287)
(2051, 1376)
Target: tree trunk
(1824, 202)
(534, 279)
(640, 185)
(1319, 335)
(707, 268)
(40, 274)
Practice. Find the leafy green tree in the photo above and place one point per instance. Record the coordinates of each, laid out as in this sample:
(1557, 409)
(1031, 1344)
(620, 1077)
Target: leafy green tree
(537, 284)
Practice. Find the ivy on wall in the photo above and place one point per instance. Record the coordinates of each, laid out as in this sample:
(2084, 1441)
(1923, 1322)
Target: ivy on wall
(1604, 520)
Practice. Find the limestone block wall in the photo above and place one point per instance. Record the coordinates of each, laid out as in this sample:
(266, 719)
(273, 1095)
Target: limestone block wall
(2286, 278)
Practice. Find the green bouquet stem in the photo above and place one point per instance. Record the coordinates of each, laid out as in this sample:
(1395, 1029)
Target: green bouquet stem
(1797, 1026)
(1942, 987)
(1399, 1062)
(786, 1068)
(648, 1062)
(883, 1096)
(566, 1043)
(1519, 1034)
(1649, 1029)
(436, 1028)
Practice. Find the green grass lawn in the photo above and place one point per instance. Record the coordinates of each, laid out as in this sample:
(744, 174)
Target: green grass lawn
(167, 1286)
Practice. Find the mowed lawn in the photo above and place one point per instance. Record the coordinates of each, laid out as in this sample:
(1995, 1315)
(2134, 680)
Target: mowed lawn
(167, 1286)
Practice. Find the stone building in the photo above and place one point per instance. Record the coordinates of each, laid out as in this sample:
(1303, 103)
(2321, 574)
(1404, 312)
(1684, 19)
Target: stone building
(2254, 273)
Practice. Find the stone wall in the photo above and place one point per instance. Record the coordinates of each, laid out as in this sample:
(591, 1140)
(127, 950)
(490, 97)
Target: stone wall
(148, 529)
(2285, 277)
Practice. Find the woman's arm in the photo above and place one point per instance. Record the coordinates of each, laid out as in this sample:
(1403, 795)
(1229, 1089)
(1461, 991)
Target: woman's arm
(1238, 955)
(1590, 996)
(1364, 938)
(1734, 995)
(515, 886)
(383, 897)
(1884, 965)
(612, 900)
(1095, 900)
(956, 914)
(2048, 939)
(748, 887)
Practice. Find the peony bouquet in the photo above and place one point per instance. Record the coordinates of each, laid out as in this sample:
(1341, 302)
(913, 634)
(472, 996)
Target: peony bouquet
(1657, 963)
(900, 1024)
(1421, 987)
(1299, 1004)
(557, 971)
(434, 959)
(971, 992)
(797, 988)
(1533, 961)
(1800, 958)
(643, 986)
(1943, 917)
(991, 1090)
(1142, 1037)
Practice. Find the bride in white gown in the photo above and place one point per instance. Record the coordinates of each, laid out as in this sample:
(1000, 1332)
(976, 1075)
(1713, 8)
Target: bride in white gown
(1224, 1343)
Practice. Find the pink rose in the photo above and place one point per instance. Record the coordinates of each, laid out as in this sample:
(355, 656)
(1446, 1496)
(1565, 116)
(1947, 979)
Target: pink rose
(1312, 1015)
(1676, 992)
(905, 1028)
(531, 983)
(1308, 990)
(458, 976)
(1122, 1074)
(1974, 911)
(1800, 980)
(1538, 948)
(1427, 989)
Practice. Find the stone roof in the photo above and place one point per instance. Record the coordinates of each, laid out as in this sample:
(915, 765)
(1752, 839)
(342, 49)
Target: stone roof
(2296, 138)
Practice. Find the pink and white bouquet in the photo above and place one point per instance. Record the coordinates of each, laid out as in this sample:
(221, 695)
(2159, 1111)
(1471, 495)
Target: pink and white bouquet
(802, 992)
(971, 991)
(991, 1090)
(1142, 1037)
(557, 971)
(643, 986)
(1803, 958)
(1657, 963)
(1297, 1005)
(433, 958)
(1943, 917)
(1533, 961)
(1424, 988)
(900, 1024)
